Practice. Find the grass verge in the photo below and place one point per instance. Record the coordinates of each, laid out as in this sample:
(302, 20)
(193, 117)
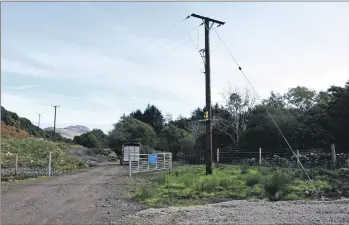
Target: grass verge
(189, 185)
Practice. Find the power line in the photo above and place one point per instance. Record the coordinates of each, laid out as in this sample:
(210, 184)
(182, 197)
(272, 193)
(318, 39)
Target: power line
(266, 108)
(202, 56)
(157, 56)
(167, 31)
(157, 37)
(167, 44)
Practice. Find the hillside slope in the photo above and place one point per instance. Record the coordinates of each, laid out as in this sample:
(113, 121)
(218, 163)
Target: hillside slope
(9, 118)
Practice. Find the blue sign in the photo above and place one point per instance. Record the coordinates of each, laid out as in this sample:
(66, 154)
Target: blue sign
(153, 158)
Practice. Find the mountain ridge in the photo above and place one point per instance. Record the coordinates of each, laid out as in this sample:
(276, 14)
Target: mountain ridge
(71, 131)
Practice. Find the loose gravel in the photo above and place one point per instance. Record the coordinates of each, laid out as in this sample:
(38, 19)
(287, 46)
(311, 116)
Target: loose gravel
(96, 196)
(247, 212)
(100, 196)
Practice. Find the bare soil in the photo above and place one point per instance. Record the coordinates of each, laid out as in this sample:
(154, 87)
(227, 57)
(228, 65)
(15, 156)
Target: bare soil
(95, 196)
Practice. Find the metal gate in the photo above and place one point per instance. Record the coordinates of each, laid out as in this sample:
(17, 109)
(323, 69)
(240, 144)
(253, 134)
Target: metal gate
(149, 162)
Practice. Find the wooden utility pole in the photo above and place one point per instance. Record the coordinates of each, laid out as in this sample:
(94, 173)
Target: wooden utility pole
(54, 123)
(39, 120)
(208, 22)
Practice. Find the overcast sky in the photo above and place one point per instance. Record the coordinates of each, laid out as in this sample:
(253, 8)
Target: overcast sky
(100, 60)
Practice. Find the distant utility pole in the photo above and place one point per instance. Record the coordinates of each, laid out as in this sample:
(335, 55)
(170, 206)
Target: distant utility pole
(208, 22)
(54, 123)
(39, 120)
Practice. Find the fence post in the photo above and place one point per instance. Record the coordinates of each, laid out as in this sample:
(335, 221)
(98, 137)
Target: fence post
(297, 157)
(164, 161)
(129, 165)
(148, 161)
(217, 157)
(16, 165)
(333, 153)
(49, 163)
(138, 164)
(260, 156)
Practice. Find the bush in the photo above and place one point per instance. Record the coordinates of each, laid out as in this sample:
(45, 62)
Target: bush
(161, 179)
(290, 197)
(144, 192)
(303, 174)
(274, 185)
(226, 182)
(252, 180)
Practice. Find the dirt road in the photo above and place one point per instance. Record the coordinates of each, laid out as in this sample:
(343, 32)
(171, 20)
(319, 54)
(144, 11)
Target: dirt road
(95, 196)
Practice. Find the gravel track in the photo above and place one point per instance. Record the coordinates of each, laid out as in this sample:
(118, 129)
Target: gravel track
(99, 196)
(95, 196)
(247, 212)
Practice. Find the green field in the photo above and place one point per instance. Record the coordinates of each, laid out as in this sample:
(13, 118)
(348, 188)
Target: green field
(189, 185)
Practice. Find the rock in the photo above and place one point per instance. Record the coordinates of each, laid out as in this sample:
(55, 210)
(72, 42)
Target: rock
(277, 195)
(306, 192)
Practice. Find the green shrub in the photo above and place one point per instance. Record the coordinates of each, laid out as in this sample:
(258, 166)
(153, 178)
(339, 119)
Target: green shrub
(252, 180)
(244, 170)
(290, 197)
(276, 184)
(208, 184)
(144, 192)
(303, 174)
(264, 171)
(188, 180)
(226, 182)
(160, 179)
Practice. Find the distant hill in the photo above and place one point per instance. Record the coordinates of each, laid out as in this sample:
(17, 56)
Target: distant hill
(15, 125)
(71, 131)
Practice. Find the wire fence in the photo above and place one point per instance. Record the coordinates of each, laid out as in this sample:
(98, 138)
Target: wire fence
(268, 157)
(15, 167)
(18, 167)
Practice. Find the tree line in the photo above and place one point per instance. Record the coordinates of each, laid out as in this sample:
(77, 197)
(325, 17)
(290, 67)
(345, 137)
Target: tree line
(307, 119)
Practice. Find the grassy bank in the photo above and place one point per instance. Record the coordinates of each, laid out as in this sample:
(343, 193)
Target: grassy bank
(189, 185)
(33, 156)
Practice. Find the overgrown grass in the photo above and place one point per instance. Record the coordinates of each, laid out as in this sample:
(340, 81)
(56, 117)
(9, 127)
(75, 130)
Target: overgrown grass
(190, 185)
(34, 152)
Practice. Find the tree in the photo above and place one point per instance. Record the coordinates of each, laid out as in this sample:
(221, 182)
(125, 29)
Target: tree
(175, 139)
(262, 132)
(338, 110)
(92, 139)
(196, 129)
(275, 100)
(137, 115)
(129, 129)
(181, 122)
(168, 118)
(238, 104)
(301, 98)
(152, 116)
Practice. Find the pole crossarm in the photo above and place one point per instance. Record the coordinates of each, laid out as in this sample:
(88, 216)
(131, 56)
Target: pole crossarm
(220, 23)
